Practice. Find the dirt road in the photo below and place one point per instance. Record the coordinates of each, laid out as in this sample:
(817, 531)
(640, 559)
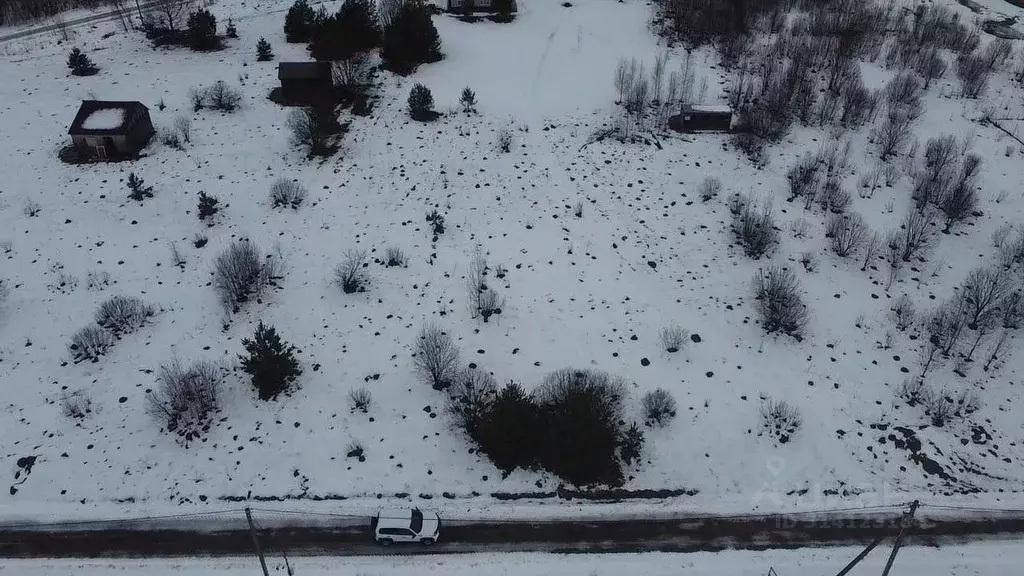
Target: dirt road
(674, 535)
(71, 23)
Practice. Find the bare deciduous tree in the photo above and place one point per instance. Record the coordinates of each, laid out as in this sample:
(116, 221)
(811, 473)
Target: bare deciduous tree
(974, 73)
(777, 292)
(845, 233)
(983, 291)
(436, 357)
(893, 136)
(961, 200)
(915, 235)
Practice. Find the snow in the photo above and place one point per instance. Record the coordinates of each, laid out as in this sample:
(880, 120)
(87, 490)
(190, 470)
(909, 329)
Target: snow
(707, 108)
(104, 119)
(579, 291)
(977, 559)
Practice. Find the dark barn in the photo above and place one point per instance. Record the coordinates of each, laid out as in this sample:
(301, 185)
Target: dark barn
(702, 119)
(105, 129)
(305, 82)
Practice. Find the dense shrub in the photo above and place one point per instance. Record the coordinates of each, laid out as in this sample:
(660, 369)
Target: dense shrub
(186, 399)
(659, 407)
(509, 434)
(777, 292)
(270, 362)
(80, 64)
(754, 227)
(123, 314)
(202, 30)
(631, 444)
(241, 273)
(90, 343)
(285, 193)
(780, 420)
(411, 38)
(312, 129)
(436, 357)
(350, 275)
(351, 30)
(421, 103)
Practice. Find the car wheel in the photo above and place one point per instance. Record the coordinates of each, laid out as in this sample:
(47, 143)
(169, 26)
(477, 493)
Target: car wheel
(385, 541)
(427, 541)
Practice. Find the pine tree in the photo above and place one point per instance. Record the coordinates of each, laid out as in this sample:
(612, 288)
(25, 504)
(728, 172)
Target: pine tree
(231, 31)
(208, 206)
(299, 22)
(468, 100)
(352, 29)
(139, 190)
(421, 102)
(269, 361)
(80, 64)
(263, 51)
(505, 10)
(202, 30)
(411, 39)
(631, 444)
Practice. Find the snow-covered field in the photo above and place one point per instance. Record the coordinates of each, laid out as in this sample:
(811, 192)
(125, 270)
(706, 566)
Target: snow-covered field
(992, 559)
(589, 292)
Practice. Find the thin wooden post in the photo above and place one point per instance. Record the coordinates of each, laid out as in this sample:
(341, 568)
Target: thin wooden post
(256, 541)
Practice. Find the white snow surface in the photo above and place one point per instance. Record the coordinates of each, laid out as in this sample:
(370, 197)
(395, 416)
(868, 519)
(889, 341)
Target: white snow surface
(104, 119)
(978, 559)
(588, 292)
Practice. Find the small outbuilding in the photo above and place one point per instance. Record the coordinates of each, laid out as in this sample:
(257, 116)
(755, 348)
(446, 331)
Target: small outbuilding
(305, 82)
(703, 118)
(473, 5)
(109, 130)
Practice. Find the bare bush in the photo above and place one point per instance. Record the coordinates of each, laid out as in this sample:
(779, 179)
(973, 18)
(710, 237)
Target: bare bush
(809, 260)
(946, 325)
(777, 292)
(350, 275)
(754, 227)
(914, 392)
(436, 357)
(659, 407)
(470, 398)
(123, 314)
(312, 129)
(845, 232)
(673, 338)
(983, 291)
(916, 236)
(186, 399)
(961, 199)
(833, 198)
(904, 93)
(285, 193)
(197, 98)
(709, 189)
(803, 179)
(241, 273)
(484, 301)
(1000, 234)
(360, 399)
(930, 65)
(393, 256)
(893, 136)
(90, 343)
(353, 72)
(223, 97)
(973, 72)
(504, 141)
(872, 246)
(997, 53)
(938, 409)
(76, 405)
(902, 312)
(940, 159)
(183, 126)
(779, 419)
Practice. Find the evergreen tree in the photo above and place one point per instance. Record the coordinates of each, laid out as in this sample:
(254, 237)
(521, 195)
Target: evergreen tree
(411, 39)
(352, 29)
(299, 22)
(505, 10)
(202, 30)
(139, 190)
(263, 51)
(421, 102)
(80, 64)
(208, 206)
(231, 31)
(468, 100)
(631, 444)
(269, 361)
(507, 434)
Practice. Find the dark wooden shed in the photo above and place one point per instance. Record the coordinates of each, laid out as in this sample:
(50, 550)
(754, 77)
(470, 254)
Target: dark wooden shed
(107, 129)
(305, 82)
(701, 118)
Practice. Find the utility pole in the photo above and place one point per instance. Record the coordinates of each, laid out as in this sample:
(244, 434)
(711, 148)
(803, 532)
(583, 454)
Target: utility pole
(140, 11)
(861, 556)
(904, 523)
(256, 541)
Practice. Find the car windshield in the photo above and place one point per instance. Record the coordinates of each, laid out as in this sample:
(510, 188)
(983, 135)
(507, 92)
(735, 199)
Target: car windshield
(417, 521)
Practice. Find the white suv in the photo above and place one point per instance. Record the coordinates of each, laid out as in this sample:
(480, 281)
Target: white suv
(406, 525)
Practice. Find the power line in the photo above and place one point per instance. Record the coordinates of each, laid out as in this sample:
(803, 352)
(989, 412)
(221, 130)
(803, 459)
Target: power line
(117, 520)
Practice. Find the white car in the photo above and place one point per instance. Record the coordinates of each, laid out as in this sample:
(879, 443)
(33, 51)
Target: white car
(406, 525)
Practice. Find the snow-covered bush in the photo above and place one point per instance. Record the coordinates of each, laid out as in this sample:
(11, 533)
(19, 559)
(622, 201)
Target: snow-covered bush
(673, 337)
(186, 398)
(270, 362)
(659, 407)
(90, 343)
(285, 193)
(241, 273)
(349, 274)
(753, 226)
(779, 419)
(436, 357)
(123, 314)
(777, 292)
(360, 399)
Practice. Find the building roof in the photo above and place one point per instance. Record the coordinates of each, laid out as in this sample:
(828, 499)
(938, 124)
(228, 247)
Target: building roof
(103, 117)
(303, 70)
(708, 109)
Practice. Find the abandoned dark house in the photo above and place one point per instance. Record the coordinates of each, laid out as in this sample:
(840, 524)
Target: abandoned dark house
(305, 82)
(699, 118)
(478, 5)
(110, 130)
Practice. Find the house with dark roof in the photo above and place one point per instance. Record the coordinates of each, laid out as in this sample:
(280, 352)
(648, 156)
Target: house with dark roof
(108, 129)
(703, 118)
(305, 82)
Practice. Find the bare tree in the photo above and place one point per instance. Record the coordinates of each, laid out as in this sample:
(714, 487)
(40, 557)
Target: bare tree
(946, 324)
(625, 76)
(754, 226)
(312, 129)
(973, 72)
(931, 65)
(183, 125)
(892, 137)
(845, 233)
(871, 248)
(169, 13)
(893, 252)
(997, 52)
(436, 357)
(352, 72)
(940, 157)
(915, 235)
(902, 312)
(983, 292)
(387, 11)
(961, 200)
(777, 292)
(658, 76)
